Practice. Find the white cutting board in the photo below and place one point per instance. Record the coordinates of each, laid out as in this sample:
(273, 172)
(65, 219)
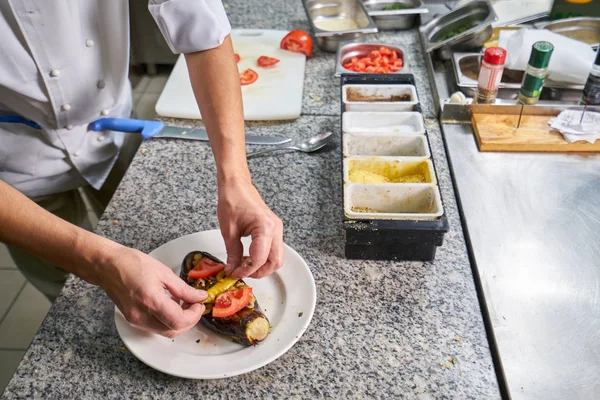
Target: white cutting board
(276, 95)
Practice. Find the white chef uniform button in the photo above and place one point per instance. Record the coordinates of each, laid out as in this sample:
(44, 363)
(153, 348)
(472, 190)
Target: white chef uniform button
(55, 73)
(101, 138)
(69, 127)
(101, 84)
(105, 112)
(66, 107)
(89, 43)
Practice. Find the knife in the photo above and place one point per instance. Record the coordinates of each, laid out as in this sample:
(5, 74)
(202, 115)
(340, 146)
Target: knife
(155, 129)
(150, 129)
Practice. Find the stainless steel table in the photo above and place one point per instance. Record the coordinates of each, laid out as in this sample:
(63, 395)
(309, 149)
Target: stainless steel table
(533, 223)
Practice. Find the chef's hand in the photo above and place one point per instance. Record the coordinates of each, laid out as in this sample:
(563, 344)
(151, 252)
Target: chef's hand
(241, 213)
(136, 283)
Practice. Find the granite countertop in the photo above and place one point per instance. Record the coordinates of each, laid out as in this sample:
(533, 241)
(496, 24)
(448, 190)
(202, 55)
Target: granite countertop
(380, 329)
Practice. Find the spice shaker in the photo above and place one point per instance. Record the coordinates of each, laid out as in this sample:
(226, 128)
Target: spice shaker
(490, 75)
(535, 73)
(591, 91)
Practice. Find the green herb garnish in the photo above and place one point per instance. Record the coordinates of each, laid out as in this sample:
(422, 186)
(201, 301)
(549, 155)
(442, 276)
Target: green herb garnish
(300, 314)
(396, 6)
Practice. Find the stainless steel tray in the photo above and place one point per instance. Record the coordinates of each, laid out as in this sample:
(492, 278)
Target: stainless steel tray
(324, 10)
(585, 29)
(466, 70)
(437, 34)
(348, 50)
(394, 19)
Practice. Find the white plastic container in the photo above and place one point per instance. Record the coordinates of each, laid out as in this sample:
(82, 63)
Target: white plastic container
(386, 145)
(389, 167)
(380, 91)
(383, 122)
(392, 201)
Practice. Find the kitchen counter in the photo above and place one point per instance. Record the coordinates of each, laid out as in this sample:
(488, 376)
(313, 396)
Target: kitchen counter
(380, 329)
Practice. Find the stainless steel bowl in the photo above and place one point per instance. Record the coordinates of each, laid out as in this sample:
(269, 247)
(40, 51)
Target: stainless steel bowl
(394, 19)
(584, 29)
(321, 12)
(347, 51)
(465, 29)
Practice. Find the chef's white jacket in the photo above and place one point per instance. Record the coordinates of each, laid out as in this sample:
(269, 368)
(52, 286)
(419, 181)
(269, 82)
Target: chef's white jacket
(64, 64)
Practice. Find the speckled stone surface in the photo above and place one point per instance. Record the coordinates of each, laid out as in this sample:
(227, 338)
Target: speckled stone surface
(380, 329)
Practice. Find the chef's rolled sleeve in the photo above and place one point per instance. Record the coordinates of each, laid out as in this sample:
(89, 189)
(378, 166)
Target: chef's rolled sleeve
(191, 25)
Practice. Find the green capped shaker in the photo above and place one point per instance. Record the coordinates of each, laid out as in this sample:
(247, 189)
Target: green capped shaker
(535, 73)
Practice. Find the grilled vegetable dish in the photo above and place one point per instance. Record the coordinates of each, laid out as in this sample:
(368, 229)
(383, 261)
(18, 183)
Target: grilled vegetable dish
(231, 308)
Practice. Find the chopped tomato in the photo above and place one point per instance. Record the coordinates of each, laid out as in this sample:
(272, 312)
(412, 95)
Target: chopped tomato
(205, 268)
(264, 61)
(228, 303)
(297, 41)
(237, 58)
(248, 77)
(382, 61)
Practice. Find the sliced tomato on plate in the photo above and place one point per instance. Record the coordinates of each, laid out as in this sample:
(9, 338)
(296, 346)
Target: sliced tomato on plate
(229, 303)
(264, 61)
(248, 77)
(297, 41)
(205, 268)
(237, 58)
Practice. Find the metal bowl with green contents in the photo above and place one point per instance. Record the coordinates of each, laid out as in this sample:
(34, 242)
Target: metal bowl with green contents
(465, 29)
(394, 14)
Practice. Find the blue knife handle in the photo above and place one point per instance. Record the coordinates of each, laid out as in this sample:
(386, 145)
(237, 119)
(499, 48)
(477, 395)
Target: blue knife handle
(146, 128)
(17, 119)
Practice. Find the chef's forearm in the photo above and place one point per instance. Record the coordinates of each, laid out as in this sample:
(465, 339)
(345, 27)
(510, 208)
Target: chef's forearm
(216, 83)
(26, 225)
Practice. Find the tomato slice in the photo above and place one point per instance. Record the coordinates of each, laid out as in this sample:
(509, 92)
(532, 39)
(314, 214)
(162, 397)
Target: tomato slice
(264, 61)
(248, 77)
(237, 58)
(228, 303)
(297, 41)
(382, 61)
(205, 268)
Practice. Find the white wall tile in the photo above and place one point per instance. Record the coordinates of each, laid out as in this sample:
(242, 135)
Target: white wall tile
(11, 283)
(10, 362)
(23, 320)
(6, 260)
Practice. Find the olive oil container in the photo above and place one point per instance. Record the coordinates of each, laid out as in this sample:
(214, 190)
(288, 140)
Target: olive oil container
(393, 209)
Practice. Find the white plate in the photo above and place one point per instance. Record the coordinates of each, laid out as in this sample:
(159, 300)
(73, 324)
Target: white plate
(287, 297)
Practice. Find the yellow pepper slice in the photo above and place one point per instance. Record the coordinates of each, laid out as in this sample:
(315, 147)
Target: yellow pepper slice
(218, 288)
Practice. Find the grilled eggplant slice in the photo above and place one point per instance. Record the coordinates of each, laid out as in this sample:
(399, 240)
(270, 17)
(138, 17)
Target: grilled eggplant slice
(248, 326)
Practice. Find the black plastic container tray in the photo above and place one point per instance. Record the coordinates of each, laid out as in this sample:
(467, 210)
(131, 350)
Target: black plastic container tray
(372, 239)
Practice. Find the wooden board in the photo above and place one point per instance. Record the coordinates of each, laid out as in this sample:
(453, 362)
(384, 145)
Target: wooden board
(498, 132)
(276, 95)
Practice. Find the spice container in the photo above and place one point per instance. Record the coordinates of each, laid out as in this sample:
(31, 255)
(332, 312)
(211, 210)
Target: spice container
(490, 75)
(591, 91)
(535, 73)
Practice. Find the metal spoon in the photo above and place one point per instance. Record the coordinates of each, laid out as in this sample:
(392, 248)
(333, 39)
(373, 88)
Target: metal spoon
(308, 146)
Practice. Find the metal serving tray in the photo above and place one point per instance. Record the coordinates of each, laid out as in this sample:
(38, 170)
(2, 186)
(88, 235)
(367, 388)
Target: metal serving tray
(394, 19)
(466, 70)
(584, 29)
(436, 34)
(324, 10)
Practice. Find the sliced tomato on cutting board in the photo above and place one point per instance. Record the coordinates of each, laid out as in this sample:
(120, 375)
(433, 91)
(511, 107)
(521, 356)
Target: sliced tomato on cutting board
(205, 268)
(228, 303)
(248, 77)
(264, 61)
(297, 41)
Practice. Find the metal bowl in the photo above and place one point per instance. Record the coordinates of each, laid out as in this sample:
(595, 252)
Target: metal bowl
(465, 29)
(321, 12)
(394, 19)
(584, 29)
(347, 51)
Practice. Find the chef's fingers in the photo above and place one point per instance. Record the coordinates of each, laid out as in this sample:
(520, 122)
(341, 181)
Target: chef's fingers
(259, 253)
(147, 321)
(181, 290)
(275, 260)
(235, 252)
(175, 317)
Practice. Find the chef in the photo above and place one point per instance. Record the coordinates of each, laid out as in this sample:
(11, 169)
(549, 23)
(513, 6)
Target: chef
(64, 64)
